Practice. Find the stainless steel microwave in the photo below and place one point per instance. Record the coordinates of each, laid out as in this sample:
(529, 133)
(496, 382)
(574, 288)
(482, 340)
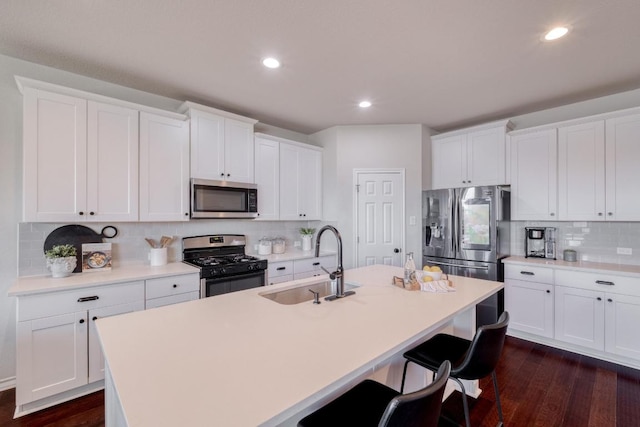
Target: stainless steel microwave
(223, 199)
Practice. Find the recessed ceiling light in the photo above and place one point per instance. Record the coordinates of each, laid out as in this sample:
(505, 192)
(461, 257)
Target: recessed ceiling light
(271, 63)
(556, 33)
(364, 104)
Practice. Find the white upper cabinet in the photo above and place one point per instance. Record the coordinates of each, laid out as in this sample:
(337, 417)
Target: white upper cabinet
(164, 168)
(581, 188)
(221, 144)
(534, 175)
(622, 168)
(80, 159)
(300, 182)
(267, 174)
(470, 157)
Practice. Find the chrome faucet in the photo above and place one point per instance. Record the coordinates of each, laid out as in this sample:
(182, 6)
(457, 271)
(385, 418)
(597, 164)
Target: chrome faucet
(337, 275)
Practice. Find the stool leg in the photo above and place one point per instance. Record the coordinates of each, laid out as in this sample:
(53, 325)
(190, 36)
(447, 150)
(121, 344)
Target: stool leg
(495, 387)
(404, 374)
(465, 404)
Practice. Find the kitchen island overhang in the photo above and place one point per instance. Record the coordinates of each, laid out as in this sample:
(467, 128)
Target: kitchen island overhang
(241, 359)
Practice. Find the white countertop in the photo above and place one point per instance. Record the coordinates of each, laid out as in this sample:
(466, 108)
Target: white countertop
(291, 255)
(41, 284)
(588, 266)
(242, 360)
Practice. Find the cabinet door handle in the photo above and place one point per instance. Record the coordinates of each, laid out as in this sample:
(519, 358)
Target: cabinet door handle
(175, 286)
(316, 263)
(92, 213)
(94, 318)
(548, 291)
(610, 300)
(528, 273)
(610, 213)
(85, 299)
(81, 320)
(605, 282)
(552, 214)
(81, 213)
(599, 299)
(281, 268)
(599, 213)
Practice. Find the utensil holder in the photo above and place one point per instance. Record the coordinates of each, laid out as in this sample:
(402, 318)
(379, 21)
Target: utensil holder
(157, 256)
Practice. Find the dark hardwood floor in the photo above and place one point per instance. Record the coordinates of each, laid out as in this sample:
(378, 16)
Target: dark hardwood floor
(539, 386)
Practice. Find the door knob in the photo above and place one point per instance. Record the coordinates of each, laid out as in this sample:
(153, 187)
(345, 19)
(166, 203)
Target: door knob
(396, 250)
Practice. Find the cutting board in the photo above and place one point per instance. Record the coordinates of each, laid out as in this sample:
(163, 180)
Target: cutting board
(74, 235)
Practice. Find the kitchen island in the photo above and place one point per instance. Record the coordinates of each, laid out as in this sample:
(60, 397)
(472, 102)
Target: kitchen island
(243, 360)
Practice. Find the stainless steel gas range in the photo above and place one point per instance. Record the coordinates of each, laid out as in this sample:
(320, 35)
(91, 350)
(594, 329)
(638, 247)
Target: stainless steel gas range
(224, 267)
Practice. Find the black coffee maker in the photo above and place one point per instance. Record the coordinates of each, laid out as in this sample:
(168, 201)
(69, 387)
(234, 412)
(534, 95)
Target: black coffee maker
(540, 242)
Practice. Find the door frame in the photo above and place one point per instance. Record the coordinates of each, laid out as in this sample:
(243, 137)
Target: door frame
(357, 172)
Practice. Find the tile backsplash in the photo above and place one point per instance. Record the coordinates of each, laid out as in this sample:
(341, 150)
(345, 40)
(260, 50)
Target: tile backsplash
(593, 241)
(129, 246)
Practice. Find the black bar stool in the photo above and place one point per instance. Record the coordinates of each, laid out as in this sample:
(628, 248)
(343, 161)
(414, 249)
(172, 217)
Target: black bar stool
(470, 360)
(370, 403)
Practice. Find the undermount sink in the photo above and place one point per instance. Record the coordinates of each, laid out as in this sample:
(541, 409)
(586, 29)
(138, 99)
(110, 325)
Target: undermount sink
(301, 293)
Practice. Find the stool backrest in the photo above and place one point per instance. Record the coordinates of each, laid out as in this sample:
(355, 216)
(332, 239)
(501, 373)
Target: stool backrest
(484, 352)
(418, 409)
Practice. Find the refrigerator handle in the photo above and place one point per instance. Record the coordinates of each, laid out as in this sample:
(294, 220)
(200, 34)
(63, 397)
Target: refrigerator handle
(455, 235)
(427, 236)
(475, 267)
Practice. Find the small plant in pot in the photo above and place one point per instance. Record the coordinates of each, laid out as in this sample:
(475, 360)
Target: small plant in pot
(306, 234)
(61, 260)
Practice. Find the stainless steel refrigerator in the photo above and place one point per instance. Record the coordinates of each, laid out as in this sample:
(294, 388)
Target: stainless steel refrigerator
(466, 232)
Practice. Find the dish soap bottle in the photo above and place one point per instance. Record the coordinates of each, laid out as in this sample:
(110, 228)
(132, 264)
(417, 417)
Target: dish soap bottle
(409, 270)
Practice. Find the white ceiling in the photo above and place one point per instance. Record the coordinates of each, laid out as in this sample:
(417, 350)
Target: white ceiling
(444, 63)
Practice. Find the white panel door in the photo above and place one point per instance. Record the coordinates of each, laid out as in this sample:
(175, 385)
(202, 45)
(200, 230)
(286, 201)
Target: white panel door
(207, 145)
(238, 151)
(622, 317)
(96, 358)
(534, 176)
(53, 356)
(164, 168)
(55, 157)
(112, 163)
(267, 175)
(581, 195)
(579, 317)
(380, 211)
(530, 305)
(623, 173)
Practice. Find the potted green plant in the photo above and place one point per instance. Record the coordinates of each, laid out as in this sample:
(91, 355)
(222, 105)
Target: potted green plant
(61, 260)
(306, 234)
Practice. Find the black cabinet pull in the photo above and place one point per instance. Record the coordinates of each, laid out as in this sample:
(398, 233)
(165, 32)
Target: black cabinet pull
(94, 318)
(92, 213)
(186, 214)
(85, 299)
(528, 273)
(548, 291)
(605, 282)
(81, 213)
(599, 299)
(175, 286)
(610, 300)
(81, 320)
(281, 268)
(316, 263)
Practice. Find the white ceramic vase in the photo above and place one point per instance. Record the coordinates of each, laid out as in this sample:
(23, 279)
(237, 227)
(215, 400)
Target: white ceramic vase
(306, 242)
(61, 267)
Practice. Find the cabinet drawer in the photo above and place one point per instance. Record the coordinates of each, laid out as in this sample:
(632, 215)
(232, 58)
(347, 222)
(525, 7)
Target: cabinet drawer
(528, 273)
(316, 273)
(54, 303)
(172, 299)
(599, 282)
(280, 269)
(173, 285)
(313, 264)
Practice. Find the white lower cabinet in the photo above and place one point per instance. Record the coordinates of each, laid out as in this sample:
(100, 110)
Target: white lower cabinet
(621, 319)
(57, 347)
(594, 313)
(285, 271)
(580, 317)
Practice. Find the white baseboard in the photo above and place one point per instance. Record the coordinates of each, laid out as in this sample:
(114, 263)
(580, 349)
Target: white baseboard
(7, 383)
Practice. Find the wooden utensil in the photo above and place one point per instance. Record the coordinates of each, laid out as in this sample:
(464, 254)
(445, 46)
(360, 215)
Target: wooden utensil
(151, 242)
(165, 241)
